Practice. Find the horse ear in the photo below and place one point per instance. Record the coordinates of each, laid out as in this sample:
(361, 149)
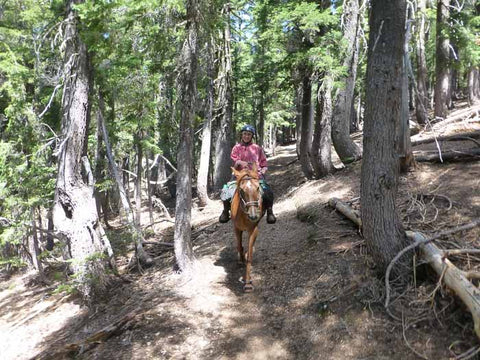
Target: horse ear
(234, 171)
(254, 167)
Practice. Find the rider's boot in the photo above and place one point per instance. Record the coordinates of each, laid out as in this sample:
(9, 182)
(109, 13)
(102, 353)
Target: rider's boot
(225, 216)
(271, 219)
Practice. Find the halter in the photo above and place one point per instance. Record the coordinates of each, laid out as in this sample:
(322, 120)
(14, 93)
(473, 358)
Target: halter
(247, 204)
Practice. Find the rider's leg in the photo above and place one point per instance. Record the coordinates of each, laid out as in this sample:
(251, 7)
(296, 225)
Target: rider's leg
(268, 202)
(225, 216)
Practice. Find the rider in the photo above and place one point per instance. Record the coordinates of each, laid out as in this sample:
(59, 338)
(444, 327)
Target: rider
(243, 154)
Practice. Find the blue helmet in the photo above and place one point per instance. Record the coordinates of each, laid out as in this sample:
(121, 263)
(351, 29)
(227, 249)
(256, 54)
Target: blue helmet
(249, 128)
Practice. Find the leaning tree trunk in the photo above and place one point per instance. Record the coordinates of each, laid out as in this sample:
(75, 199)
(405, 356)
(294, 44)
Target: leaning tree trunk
(306, 137)
(380, 168)
(322, 143)
(346, 149)
(187, 81)
(75, 215)
(223, 146)
(141, 255)
(202, 177)
(442, 70)
(421, 95)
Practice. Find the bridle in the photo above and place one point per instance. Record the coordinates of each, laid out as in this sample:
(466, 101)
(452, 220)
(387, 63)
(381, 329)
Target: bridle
(246, 204)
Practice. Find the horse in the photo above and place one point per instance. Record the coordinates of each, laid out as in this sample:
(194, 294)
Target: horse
(247, 210)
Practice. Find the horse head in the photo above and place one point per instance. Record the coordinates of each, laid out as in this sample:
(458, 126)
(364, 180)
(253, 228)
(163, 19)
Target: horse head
(249, 192)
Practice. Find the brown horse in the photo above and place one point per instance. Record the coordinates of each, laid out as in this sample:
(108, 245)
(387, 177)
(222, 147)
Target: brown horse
(247, 210)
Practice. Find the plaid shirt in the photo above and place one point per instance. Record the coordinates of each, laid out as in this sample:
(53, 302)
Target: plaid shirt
(250, 153)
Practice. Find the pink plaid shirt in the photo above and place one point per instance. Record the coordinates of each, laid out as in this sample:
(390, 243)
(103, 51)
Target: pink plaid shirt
(250, 153)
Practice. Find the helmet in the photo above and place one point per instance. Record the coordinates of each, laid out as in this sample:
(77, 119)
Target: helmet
(249, 128)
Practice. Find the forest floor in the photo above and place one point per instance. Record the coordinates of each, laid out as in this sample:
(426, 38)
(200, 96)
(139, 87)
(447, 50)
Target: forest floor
(316, 293)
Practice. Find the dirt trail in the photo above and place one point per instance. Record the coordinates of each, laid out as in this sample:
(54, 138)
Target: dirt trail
(315, 296)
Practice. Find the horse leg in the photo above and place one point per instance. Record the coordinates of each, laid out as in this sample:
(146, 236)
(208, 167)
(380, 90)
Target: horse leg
(248, 287)
(241, 254)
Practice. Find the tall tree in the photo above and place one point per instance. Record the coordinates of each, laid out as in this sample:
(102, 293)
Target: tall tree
(306, 134)
(380, 168)
(322, 141)
(421, 93)
(346, 149)
(187, 87)
(202, 177)
(224, 139)
(74, 213)
(442, 60)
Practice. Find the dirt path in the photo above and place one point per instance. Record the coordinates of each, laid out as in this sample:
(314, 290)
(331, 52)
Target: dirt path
(315, 296)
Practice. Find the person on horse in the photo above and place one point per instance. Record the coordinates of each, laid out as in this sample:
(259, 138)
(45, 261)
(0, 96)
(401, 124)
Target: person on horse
(243, 155)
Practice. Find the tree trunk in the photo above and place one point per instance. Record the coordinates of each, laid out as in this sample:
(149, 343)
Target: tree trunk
(346, 149)
(33, 245)
(473, 85)
(421, 96)
(74, 213)
(203, 169)
(149, 187)
(405, 146)
(141, 255)
(380, 168)
(322, 143)
(306, 137)
(442, 55)
(187, 81)
(298, 117)
(100, 167)
(138, 181)
(223, 145)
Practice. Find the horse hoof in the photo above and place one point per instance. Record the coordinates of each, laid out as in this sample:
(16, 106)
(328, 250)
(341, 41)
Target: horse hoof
(248, 288)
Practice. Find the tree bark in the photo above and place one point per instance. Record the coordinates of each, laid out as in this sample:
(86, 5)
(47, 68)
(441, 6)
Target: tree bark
(74, 213)
(380, 168)
(306, 137)
(442, 56)
(203, 169)
(421, 95)
(473, 85)
(322, 143)
(405, 146)
(187, 80)
(141, 255)
(223, 145)
(346, 149)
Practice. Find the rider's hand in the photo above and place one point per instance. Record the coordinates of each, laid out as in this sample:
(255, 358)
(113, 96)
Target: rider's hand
(242, 164)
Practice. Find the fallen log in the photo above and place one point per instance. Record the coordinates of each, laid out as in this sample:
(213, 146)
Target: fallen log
(346, 210)
(460, 116)
(454, 278)
(450, 155)
(453, 137)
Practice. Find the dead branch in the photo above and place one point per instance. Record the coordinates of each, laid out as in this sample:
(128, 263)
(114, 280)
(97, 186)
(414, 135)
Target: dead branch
(448, 252)
(452, 155)
(93, 340)
(158, 243)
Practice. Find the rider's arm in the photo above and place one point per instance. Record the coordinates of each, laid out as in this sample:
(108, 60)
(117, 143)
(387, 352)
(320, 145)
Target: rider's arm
(262, 161)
